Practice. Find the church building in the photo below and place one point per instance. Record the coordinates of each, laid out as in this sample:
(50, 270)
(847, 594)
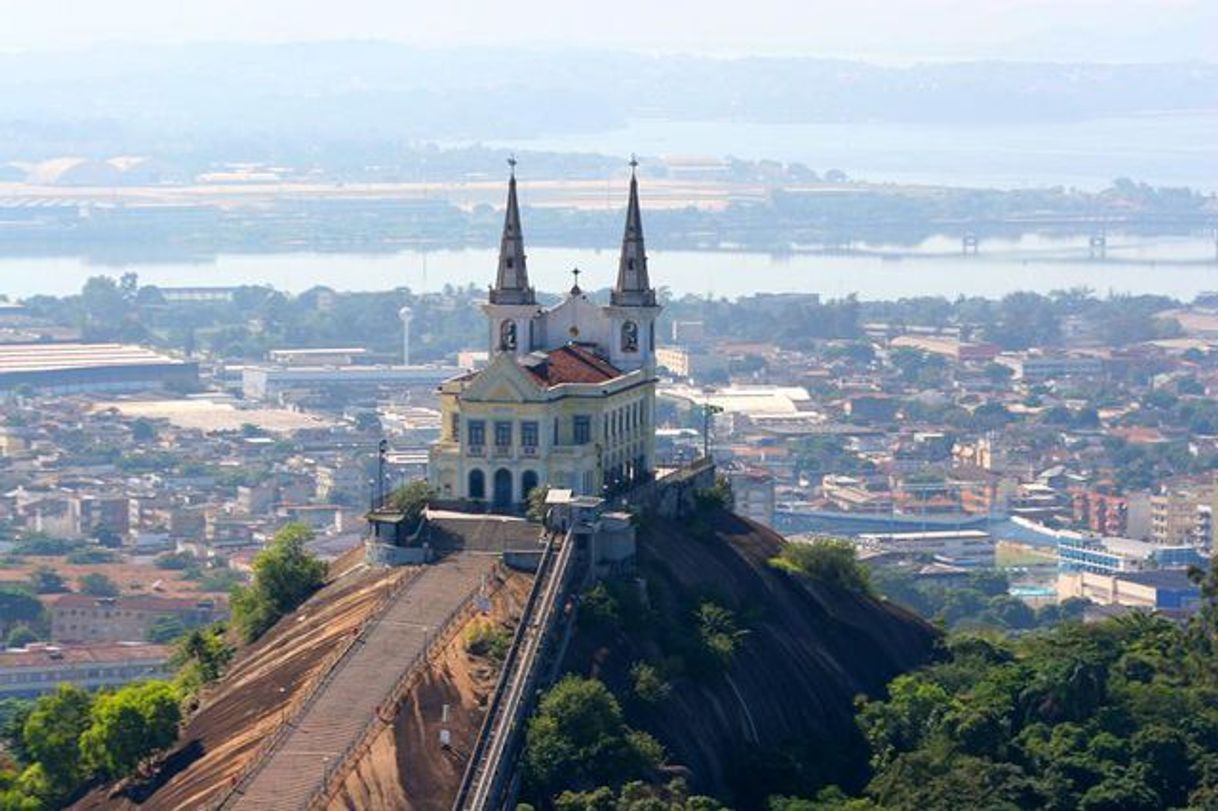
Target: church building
(568, 399)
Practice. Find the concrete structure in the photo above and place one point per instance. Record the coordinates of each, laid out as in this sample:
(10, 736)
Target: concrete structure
(966, 547)
(1113, 555)
(1101, 512)
(40, 668)
(405, 314)
(1169, 591)
(1035, 368)
(568, 398)
(1183, 514)
(752, 492)
(269, 382)
(321, 356)
(81, 367)
(81, 618)
(948, 347)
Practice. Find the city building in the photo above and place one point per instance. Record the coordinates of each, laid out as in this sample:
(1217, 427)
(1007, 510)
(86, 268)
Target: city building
(1113, 555)
(1169, 591)
(1036, 368)
(40, 668)
(1100, 512)
(971, 548)
(752, 491)
(1182, 514)
(568, 398)
(269, 382)
(82, 618)
(947, 346)
(79, 367)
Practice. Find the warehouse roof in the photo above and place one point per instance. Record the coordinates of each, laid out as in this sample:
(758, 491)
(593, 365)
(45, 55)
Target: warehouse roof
(47, 357)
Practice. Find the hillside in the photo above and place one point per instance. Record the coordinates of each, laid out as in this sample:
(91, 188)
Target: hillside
(780, 718)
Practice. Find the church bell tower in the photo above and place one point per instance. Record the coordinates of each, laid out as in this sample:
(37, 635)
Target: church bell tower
(511, 304)
(632, 309)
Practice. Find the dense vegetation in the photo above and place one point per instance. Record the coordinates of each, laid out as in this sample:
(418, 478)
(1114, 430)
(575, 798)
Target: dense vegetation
(285, 574)
(1116, 716)
(983, 600)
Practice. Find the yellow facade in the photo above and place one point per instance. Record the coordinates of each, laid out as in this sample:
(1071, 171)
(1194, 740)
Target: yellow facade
(505, 433)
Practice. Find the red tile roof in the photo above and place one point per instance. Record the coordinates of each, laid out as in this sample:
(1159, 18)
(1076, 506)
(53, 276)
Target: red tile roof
(573, 363)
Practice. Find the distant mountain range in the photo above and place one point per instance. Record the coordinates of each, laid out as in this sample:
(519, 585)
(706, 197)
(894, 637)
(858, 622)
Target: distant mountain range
(223, 100)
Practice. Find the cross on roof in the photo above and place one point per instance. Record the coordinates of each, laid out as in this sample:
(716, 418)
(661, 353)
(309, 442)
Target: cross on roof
(634, 162)
(512, 162)
(575, 273)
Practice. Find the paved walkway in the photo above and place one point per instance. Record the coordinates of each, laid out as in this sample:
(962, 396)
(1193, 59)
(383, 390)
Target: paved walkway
(362, 682)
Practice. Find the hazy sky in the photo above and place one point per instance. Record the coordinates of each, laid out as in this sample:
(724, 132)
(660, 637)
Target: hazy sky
(899, 30)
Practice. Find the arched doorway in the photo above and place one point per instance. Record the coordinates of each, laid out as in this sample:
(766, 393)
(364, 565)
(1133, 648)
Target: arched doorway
(528, 483)
(477, 485)
(503, 489)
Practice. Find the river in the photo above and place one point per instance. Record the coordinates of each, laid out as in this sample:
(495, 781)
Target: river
(1176, 266)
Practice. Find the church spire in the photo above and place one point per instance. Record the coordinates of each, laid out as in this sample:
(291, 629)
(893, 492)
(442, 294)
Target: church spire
(633, 289)
(512, 278)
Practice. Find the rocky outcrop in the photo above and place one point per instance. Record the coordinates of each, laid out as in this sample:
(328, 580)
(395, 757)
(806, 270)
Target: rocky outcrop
(780, 717)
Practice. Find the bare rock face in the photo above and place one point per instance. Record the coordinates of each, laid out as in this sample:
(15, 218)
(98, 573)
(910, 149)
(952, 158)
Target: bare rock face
(780, 717)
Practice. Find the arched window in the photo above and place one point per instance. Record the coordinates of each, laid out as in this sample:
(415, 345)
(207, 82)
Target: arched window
(507, 336)
(528, 483)
(477, 485)
(630, 336)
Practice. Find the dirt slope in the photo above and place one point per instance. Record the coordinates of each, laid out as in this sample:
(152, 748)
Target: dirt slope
(221, 740)
(406, 767)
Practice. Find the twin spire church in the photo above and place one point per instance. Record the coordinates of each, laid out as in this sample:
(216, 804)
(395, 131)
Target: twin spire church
(568, 399)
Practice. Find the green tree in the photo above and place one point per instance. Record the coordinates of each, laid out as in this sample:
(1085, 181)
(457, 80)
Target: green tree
(96, 584)
(718, 630)
(18, 605)
(832, 561)
(165, 629)
(536, 500)
(285, 574)
(51, 736)
(578, 740)
(412, 498)
(20, 636)
(46, 580)
(129, 725)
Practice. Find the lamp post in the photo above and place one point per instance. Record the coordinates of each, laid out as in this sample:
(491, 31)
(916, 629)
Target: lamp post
(708, 411)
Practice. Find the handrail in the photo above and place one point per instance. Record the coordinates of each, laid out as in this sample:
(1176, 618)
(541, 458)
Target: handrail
(365, 736)
(484, 770)
(488, 722)
(301, 705)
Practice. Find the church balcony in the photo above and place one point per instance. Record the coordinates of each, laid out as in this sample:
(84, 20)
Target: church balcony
(503, 451)
(476, 450)
(528, 451)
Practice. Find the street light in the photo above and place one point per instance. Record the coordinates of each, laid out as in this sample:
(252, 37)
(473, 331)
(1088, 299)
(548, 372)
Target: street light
(708, 410)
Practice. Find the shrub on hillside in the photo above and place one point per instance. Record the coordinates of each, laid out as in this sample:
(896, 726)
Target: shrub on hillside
(285, 574)
(829, 561)
(486, 638)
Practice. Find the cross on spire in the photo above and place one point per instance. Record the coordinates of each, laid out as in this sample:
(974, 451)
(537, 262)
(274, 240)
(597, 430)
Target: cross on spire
(511, 161)
(512, 278)
(575, 291)
(633, 287)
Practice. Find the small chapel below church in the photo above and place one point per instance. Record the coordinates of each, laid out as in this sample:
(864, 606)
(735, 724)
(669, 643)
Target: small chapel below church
(568, 398)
